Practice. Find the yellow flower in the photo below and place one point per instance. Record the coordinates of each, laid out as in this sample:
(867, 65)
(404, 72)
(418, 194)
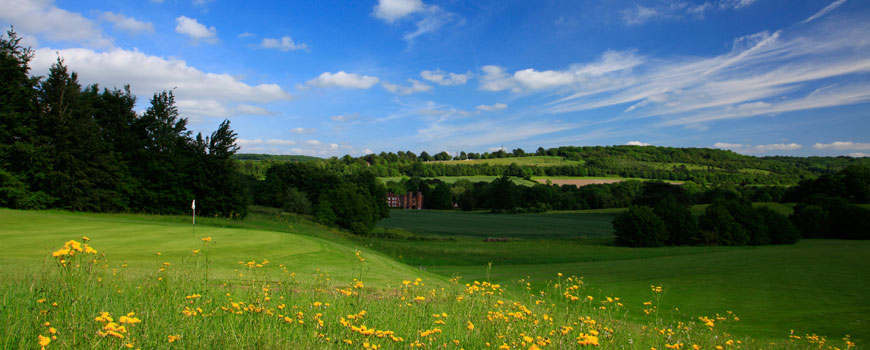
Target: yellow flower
(207, 239)
(173, 338)
(43, 341)
(470, 326)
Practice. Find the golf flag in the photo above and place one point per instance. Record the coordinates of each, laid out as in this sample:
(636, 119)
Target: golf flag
(193, 207)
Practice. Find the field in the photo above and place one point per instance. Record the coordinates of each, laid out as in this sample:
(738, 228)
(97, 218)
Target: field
(453, 179)
(541, 161)
(584, 180)
(825, 280)
(279, 281)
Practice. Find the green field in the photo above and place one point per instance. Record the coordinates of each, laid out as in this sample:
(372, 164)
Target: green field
(815, 285)
(480, 224)
(136, 239)
(453, 179)
(542, 161)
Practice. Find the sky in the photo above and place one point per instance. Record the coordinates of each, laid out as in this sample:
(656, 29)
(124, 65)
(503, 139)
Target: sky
(328, 78)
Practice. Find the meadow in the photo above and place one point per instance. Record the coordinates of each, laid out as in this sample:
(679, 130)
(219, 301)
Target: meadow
(279, 281)
(816, 284)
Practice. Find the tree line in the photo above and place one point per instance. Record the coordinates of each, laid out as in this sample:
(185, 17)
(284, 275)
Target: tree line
(82, 148)
(353, 201)
(699, 165)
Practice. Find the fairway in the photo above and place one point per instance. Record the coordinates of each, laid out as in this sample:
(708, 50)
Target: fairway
(28, 237)
(476, 224)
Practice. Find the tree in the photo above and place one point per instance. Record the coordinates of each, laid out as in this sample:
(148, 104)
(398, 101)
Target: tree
(22, 161)
(639, 227)
(681, 226)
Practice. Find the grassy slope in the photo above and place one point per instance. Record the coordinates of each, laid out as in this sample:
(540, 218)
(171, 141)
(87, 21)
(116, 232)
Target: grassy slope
(29, 236)
(814, 286)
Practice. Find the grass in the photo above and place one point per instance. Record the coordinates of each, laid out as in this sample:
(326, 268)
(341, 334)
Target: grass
(542, 161)
(813, 287)
(135, 240)
(477, 224)
(81, 300)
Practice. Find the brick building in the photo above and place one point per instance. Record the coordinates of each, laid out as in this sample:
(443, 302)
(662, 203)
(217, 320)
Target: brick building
(406, 201)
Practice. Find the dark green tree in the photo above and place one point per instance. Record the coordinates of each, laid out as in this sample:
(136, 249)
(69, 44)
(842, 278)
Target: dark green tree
(639, 227)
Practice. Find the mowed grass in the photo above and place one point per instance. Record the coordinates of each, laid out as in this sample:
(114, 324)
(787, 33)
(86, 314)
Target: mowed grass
(814, 286)
(29, 236)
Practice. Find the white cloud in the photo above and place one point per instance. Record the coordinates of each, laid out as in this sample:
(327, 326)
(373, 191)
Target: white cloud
(42, 18)
(245, 35)
(312, 142)
(443, 78)
(674, 10)
(495, 78)
(533, 79)
(197, 92)
(637, 143)
(252, 110)
(726, 145)
(343, 80)
(416, 86)
(280, 142)
(195, 30)
(284, 44)
(763, 74)
(591, 75)
(777, 147)
(345, 117)
(843, 146)
(127, 24)
(749, 149)
(392, 10)
(824, 11)
(432, 20)
(859, 155)
(302, 130)
(488, 108)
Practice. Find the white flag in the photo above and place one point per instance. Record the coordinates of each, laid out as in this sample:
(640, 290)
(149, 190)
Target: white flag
(193, 205)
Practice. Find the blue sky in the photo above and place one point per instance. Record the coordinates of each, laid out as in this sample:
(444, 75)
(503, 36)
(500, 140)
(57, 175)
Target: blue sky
(328, 78)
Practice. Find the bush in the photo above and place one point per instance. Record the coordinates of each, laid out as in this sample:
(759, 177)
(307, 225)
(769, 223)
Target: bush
(779, 229)
(295, 201)
(639, 227)
(717, 226)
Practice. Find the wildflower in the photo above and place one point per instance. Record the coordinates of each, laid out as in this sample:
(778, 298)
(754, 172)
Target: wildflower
(470, 326)
(43, 341)
(173, 338)
(207, 239)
